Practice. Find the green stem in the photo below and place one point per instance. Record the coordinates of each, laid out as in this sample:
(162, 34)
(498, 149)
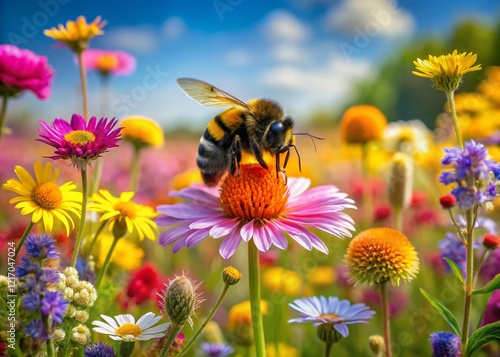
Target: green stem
(468, 280)
(367, 189)
(459, 231)
(79, 236)
(83, 79)
(386, 319)
(99, 230)
(254, 284)
(171, 338)
(50, 341)
(96, 176)
(328, 349)
(453, 112)
(207, 320)
(398, 219)
(479, 265)
(102, 272)
(134, 170)
(3, 114)
(23, 238)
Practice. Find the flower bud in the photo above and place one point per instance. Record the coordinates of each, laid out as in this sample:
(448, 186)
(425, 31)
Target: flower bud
(401, 181)
(491, 241)
(180, 300)
(447, 201)
(377, 345)
(328, 334)
(231, 275)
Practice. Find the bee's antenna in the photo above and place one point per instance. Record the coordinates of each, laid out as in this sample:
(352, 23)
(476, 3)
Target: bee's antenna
(312, 138)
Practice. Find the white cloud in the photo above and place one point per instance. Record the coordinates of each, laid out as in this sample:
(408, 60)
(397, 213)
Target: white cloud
(141, 39)
(288, 52)
(238, 58)
(173, 28)
(282, 25)
(373, 17)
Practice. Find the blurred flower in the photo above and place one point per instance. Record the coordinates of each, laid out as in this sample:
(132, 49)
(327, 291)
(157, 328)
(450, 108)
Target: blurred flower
(85, 267)
(400, 183)
(492, 312)
(283, 350)
(24, 70)
(141, 131)
(378, 255)
(43, 198)
(216, 349)
(80, 141)
(331, 311)
(123, 214)
(185, 179)
(255, 205)
(109, 62)
(361, 124)
(445, 344)
(398, 300)
(490, 86)
(124, 327)
(470, 103)
(491, 266)
(278, 279)
(453, 248)
(382, 212)
(321, 276)
(144, 284)
(411, 136)
(240, 314)
(76, 34)
(471, 171)
(180, 300)
(446, 71)
(99, 349)
(126, 254)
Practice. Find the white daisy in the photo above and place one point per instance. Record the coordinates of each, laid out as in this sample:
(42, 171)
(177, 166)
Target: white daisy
(124, 327)
(408, 136)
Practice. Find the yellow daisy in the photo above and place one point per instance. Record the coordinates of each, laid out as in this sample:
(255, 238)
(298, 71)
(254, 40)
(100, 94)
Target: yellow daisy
(141, 131)
(123, 214)
(76, 34)
(126, 255)
(446, 71)
(43, 198)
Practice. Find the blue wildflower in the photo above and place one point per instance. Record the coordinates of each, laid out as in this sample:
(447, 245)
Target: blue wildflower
(84, 270)
(472, 171)
(40, 246)
(445, 344)
(31, 301)
(453, 248)
(339, 313)
(216, 349)
(54, 305)
(28, 267)
(36, 329)
(99, 349)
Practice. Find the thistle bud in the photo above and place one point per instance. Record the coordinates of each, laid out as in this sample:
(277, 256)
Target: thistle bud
(231, 275)
(180, 300)
(400, 181)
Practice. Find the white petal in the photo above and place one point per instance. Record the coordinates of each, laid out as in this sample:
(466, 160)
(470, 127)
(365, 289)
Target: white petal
(156, 329)
(144, 320)
(110, 321)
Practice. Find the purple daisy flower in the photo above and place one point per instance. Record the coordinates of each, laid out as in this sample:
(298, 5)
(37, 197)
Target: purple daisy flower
(99, 349)
(79, 140)
(330, 310)
(216, 349)
(445, 344)
(256, 205)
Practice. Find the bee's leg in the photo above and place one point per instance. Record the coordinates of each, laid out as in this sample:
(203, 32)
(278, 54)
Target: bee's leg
(235, 153)
(258, 154)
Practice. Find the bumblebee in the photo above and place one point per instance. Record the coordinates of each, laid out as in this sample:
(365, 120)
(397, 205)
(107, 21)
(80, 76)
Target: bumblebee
(256, 127)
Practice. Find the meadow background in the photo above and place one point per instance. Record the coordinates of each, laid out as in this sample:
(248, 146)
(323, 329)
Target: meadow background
(317, 58)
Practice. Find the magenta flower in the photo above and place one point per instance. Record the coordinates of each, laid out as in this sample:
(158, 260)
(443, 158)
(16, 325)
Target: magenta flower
(80, 141)
(109, 62)
(255, 205)
(24, 70)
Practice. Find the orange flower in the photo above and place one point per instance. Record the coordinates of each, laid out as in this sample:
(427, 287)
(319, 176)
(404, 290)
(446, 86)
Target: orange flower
(379, 255)
(361, 124)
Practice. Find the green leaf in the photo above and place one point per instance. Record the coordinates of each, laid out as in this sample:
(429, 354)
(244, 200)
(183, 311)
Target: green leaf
(455, 269)
(447, 315)
(493, 285)
(482, 336)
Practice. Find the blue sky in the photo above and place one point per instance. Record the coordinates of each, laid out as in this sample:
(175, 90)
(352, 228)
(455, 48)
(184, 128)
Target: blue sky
(304, 54)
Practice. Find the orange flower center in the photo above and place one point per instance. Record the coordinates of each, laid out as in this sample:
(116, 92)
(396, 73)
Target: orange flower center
(328, 316)
(79, 137)
(128, 329)
(127, 209)
(47, 195)
(256, 193)
(107, 63)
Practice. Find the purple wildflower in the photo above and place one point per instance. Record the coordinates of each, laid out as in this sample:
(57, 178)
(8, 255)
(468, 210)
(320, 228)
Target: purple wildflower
(445, 344)
(99, 349)
(492, 312)
(216, 349)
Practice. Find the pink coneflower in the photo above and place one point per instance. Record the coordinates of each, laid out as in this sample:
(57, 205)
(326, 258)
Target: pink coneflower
(80, 141)
(24, 70)
(256, 205)
(109, 62)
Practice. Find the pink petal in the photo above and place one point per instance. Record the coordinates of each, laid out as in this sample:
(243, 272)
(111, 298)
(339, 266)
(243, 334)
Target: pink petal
(246, 231)
(230, 244)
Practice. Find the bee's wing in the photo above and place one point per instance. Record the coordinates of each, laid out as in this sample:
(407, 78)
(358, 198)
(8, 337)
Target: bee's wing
(207, 94)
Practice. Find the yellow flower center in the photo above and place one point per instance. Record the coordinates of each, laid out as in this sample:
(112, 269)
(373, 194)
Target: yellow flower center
(107, 62)
(128, 329)
(79, 137)
(328, 316)
(256, 193)
(127, 209)
(47, 195)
